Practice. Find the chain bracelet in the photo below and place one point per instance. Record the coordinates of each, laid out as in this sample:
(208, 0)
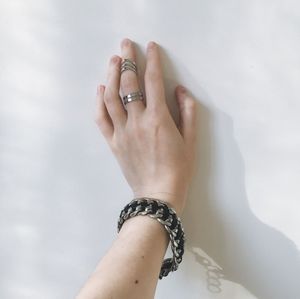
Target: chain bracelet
(167, 217)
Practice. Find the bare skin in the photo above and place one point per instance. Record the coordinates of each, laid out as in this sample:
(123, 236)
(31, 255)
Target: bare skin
(156, 158)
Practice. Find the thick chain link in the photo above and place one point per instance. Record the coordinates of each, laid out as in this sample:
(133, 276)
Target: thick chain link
(167, 217)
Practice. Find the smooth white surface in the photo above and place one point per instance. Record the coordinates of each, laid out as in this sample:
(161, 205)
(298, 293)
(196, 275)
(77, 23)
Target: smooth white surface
(61, 190)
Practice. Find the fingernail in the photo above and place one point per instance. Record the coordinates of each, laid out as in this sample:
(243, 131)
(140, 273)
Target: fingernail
(151, 45)
(100, 88)
(182, 88)
(115, 59)
(125, 42)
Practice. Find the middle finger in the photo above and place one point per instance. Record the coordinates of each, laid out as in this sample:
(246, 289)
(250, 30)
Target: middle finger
(129, 80)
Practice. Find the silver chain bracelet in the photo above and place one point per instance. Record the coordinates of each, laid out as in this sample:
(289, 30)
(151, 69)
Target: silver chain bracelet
(167, 217)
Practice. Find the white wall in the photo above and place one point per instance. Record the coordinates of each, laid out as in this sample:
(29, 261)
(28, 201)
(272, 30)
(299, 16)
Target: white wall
(61, 189)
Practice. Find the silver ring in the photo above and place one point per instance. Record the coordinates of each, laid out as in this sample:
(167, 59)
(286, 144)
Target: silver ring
(129, 65)
(133, 96)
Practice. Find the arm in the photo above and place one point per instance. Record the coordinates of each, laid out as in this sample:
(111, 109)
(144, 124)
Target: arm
(156, 158)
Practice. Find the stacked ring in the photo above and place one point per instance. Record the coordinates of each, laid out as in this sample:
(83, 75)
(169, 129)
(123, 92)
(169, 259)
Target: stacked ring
(133, 96)
(128, 64)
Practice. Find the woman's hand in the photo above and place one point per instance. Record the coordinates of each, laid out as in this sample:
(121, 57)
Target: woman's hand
(156, 157)
(157, 160)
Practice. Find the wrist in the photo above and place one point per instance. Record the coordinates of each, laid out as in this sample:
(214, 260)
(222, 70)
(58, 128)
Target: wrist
(176, 199)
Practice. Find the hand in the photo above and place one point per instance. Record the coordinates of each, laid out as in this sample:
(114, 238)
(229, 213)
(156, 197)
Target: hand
(155, 156)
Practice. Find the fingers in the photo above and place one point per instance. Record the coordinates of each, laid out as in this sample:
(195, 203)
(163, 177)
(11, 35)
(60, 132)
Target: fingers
(102, 118)
(154, 85)
(187, 115)
(111, 95)
(129, 80)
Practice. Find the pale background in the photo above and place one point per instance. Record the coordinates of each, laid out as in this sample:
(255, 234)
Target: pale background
(61, 189)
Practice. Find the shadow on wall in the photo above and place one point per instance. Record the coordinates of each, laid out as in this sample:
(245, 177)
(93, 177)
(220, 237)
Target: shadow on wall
(218, 219)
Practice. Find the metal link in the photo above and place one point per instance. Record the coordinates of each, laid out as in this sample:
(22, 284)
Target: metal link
(146, 206)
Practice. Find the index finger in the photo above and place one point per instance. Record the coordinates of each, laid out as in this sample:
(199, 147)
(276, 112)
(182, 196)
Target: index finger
(154, 86)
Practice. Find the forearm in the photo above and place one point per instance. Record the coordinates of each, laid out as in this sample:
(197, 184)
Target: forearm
(131, 267)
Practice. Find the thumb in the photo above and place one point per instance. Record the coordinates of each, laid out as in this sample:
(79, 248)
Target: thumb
(187, 115)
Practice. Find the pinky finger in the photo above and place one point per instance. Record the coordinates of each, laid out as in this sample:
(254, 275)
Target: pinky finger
(102, 117)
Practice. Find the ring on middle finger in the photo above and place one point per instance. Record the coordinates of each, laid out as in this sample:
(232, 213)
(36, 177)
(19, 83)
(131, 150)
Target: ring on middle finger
(128, 65)
(133, 96)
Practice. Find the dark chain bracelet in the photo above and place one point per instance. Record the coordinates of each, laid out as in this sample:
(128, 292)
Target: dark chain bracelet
(168, 218)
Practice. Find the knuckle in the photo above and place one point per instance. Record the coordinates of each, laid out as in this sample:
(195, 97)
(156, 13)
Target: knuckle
(135, 130)
(154, 123)
(128, 81)
(153, 119)
(109, 97)
(134, 127)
